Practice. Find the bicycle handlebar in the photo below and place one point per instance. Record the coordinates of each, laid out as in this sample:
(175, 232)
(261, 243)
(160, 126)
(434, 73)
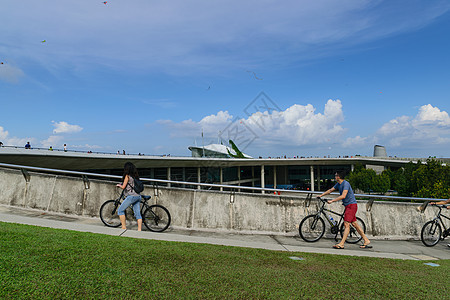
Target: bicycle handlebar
(323, 200)
(439, 205)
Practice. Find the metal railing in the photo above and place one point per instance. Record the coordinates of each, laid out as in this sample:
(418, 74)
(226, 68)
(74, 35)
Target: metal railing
(200, 184)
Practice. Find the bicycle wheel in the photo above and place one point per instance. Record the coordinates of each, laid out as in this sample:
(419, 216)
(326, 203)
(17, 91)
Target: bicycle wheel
(311, 228)
(108, 213)
(353, 236)
(431, 233)
(156, 218)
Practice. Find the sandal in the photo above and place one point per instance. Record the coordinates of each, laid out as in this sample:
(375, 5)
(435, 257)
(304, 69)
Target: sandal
(337, 246)
(365, 246)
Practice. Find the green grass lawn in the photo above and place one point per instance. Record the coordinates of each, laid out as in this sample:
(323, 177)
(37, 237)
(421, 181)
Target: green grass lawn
(45, 263)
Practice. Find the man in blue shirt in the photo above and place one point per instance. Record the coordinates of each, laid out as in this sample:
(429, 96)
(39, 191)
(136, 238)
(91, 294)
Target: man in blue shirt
(349, 201)
(28, 146)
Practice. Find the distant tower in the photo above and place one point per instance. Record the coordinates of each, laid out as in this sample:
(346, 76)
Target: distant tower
(379, 151)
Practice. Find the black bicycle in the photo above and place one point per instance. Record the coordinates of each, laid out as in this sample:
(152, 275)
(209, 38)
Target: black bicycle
(155, 217)
(432, 231)
(312, 227)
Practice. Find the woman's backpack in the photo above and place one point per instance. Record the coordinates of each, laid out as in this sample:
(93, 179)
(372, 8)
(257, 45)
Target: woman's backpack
(138, 186)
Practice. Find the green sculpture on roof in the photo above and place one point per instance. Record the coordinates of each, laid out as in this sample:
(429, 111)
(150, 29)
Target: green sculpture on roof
(238, 154)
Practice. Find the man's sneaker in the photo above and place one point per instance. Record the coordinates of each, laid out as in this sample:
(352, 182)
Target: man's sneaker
(448, 245)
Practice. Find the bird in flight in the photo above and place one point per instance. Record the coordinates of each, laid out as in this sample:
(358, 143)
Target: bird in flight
(254, 75)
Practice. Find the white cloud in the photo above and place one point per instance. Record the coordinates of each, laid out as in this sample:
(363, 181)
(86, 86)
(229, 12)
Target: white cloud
(20, 142)
(210, 125)
(429, 128)
(297, 125)
(3, 133)
(199, 35)
(13, 141)
(300, 124)
(431, 115)
(357, 141)
(10, 73)
(64, 127)
(57, 141)
(54, 140)
(303, 127)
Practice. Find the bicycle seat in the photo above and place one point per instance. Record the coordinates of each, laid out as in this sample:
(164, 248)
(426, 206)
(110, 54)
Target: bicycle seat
(145, 197)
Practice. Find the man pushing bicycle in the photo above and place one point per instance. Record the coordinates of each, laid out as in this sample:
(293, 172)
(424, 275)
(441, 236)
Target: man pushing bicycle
(349, 201)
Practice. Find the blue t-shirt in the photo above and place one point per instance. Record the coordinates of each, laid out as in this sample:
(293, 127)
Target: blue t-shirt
(345, 185)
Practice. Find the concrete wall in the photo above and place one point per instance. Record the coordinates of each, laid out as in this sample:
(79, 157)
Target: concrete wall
(200, 209)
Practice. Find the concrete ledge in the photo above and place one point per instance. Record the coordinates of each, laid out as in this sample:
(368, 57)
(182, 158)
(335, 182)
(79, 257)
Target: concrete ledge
(205, 210)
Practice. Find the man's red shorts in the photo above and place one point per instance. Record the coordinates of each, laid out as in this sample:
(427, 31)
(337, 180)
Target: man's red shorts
(350, 213)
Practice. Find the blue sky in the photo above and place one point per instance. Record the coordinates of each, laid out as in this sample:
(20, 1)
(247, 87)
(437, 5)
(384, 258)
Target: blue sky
(279, 78)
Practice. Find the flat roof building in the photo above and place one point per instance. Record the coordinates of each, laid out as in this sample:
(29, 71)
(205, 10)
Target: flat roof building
(312, 173)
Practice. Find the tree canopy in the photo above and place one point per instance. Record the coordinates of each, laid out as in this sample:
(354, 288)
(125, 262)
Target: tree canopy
(423, 180)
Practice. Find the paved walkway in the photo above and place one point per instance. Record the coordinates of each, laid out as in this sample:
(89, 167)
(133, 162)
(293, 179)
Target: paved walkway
(413, 250)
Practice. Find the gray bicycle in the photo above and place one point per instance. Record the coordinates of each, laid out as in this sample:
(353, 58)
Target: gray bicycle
(433, 231)
(155, 217)
(312, 227)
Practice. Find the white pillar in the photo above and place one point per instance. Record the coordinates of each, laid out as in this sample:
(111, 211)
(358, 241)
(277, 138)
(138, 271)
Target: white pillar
(262, 178)
(274, 177)
(312, 178)
(168, 176)
(221, 177)
(318, 178)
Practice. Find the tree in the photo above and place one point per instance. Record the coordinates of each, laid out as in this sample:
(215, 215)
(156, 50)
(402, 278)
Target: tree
(424, 180)
(403, 183)
(362, 179)
(431, 180)
(381, 183)
(438, 190)
(392, 178)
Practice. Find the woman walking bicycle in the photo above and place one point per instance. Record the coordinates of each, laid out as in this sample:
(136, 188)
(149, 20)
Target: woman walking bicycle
(131, 197)
(349, 201)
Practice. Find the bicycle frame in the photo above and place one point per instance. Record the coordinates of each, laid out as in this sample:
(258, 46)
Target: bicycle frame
(335, 213)
(334, 227)
(438, 219)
